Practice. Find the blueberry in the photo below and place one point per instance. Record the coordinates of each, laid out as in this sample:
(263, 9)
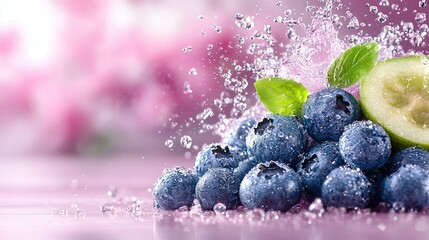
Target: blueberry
(327, 112)
(238, 137)
(365, 145)
(346, 187)
(271, 186)
(277, 138)
(218, 185)
(375, 177)
(175, 188)
(216, 156)
(244, 167)
(316, 164)
(407, 186)
(413, 156)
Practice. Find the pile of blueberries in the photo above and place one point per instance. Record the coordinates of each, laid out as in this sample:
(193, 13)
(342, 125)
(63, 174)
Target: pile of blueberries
(329, 152)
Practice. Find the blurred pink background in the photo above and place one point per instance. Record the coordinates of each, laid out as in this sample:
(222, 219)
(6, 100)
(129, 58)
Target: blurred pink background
(98, 77)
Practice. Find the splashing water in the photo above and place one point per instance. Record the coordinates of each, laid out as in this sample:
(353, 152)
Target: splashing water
(311, 40)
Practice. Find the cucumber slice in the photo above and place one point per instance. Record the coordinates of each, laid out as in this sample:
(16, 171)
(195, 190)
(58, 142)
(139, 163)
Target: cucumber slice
(395, 94)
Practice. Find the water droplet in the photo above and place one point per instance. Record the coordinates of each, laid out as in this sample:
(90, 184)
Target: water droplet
(217, 28)
(193, 72)
(169, 143)
(316, 207)
(353, 23)
(291, 34)
(200, 17)
(245, 22)
(373, 9)
(219, 209)
(279, 3)
(395, 7)
(210, 47)
(208, 112)
(187, 49)
(109, 209)
(381, 17)
(381, 226)
(79, 214)
(384, 3)
(112, 192)
(423, 3)
(186, 141)
(187, 88)
(420, 17)
(63, 212)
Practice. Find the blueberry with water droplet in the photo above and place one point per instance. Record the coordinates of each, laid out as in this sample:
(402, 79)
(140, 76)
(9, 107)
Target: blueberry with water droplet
(175, 188)
(409, 156)
(238, 137)
(216, 156)
(346, 187)
(218, 185)
(316, 164)
(365, 145)
(244, 167)
(265, 143)
(271, 186)
(407, 186)
(327, 112)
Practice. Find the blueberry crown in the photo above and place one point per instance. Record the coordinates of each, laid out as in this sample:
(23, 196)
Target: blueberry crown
(341, 104)
(306, 164)
(266, 123)
(269, 171)
(220, 152)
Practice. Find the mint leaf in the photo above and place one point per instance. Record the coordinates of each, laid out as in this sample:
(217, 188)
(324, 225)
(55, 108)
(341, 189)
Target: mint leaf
(352, 65)
(281, 96)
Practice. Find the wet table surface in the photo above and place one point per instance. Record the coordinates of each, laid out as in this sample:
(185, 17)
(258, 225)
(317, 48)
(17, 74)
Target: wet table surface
(64, 198)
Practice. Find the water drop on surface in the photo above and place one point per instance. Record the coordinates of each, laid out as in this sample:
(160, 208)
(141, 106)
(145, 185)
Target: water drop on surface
(219, 209)
(63, 212)
(109, 209)
(186, 141)
(200, 17)
(279, 3)
(79, 214)
(382, 227)
(423, 3)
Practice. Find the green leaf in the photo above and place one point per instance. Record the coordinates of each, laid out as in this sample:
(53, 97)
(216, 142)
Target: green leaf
(281, 96)
(352, 65)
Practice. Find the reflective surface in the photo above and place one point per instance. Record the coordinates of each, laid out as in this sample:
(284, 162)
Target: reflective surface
(50, 199)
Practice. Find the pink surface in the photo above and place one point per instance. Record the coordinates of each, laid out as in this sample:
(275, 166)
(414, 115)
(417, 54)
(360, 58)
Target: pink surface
(30, 207)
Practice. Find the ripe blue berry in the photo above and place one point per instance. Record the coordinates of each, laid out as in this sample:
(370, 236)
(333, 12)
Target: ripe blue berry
(316, 164)
(408, 186)
(277, 138)
(271, 186)
(412, 156)
(346, 187)
(218, 185)
(175, 188)
(327, 112)
(244, 167)
(365, 145)
(238, 137)
(216, 156)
